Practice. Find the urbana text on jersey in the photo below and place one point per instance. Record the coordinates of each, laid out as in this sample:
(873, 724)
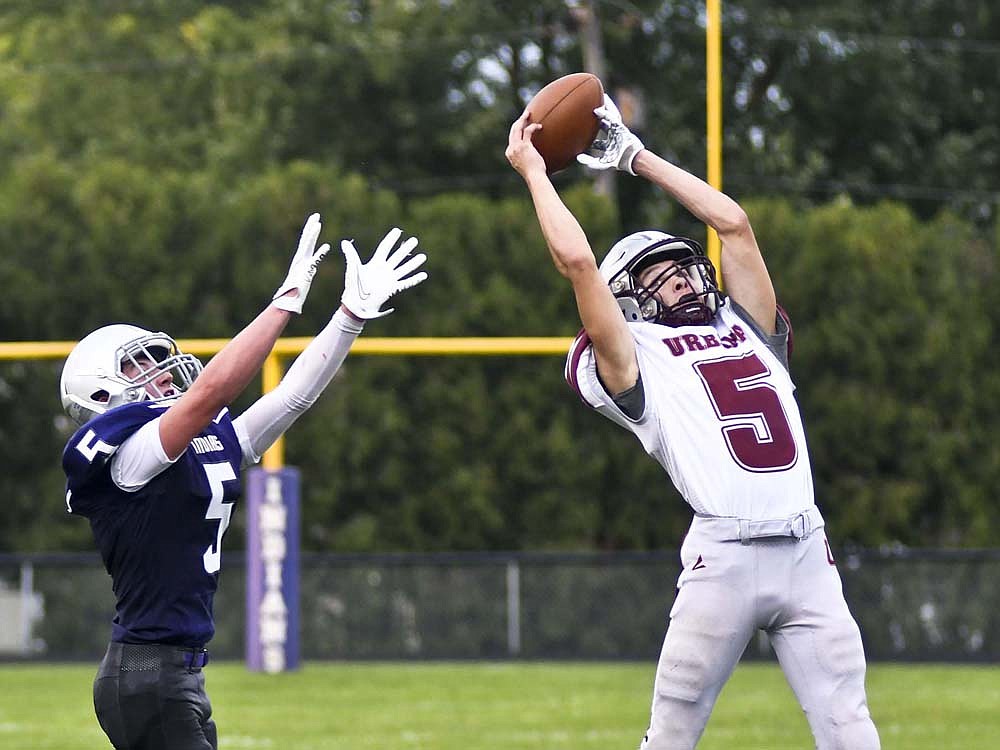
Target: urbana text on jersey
(694, 342)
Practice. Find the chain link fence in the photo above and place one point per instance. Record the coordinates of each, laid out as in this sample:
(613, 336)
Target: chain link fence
(913, 605)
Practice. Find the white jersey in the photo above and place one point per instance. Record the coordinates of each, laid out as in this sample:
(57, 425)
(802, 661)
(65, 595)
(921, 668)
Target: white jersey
(720, 414)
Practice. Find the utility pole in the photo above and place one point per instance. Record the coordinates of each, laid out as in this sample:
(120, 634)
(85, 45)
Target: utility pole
(584, 12)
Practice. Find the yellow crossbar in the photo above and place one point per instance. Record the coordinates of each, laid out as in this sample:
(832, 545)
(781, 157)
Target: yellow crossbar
(274, 458)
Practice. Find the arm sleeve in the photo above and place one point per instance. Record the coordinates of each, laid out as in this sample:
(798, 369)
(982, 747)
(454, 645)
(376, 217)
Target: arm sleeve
(267, 419)
(632, 401)
(140, 458)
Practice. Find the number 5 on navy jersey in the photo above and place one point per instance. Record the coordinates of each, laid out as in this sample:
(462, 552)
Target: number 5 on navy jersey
(219, 509)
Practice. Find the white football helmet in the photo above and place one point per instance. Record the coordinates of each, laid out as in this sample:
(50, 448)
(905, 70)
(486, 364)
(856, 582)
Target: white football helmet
(630, 255)
(93, 378)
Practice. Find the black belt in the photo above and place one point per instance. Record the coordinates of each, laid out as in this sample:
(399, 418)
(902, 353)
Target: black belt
(148, 657)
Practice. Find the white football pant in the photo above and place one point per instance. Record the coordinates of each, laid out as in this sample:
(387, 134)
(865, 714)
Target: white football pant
(791, 590)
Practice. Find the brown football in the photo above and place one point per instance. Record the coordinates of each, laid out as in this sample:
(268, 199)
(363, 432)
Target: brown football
(565, 108)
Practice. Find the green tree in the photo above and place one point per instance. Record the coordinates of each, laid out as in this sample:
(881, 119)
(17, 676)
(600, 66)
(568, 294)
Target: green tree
(892, 343)
(158, 159)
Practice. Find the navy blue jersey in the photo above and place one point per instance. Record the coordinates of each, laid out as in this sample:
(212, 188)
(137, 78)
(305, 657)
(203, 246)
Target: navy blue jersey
(162, 543)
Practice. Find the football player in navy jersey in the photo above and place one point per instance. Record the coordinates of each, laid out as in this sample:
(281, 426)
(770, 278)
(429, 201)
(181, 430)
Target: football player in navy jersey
(155, 467)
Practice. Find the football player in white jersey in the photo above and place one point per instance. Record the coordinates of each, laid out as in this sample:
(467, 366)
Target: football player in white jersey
(702, 380)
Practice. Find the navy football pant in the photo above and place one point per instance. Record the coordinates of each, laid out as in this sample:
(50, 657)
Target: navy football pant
(148, 697)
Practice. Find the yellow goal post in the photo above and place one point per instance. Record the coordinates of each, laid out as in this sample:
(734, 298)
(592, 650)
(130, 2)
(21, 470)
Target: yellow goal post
(287, 347)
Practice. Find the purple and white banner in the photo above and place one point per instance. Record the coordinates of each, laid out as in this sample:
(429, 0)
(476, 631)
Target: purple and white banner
(272, 569)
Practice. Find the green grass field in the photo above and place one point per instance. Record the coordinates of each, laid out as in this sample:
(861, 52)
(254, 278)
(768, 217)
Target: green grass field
(504, 706)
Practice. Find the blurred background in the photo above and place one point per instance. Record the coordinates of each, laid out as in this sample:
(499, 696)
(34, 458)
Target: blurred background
(158, 158)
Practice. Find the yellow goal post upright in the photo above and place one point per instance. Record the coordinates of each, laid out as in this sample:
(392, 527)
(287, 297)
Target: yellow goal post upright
(713, 107)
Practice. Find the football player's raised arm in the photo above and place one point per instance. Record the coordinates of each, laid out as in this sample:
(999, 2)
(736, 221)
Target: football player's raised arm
(232, 369)
(744, 273)
(222, 380)
(274, 412)
(573, 257)
(614, 347)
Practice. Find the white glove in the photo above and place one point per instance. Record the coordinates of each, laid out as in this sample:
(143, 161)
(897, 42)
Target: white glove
(303, 268)
(616, 146)
(368, 286)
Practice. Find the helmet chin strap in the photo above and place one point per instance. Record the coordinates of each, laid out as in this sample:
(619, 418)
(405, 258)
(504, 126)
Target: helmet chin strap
(691, 310)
